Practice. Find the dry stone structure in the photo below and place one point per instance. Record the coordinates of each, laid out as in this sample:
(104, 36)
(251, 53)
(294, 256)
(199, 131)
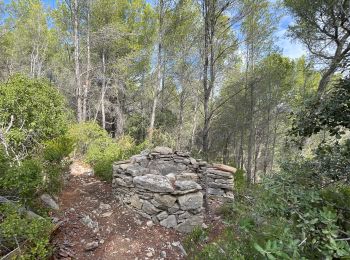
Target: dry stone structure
(169, 187)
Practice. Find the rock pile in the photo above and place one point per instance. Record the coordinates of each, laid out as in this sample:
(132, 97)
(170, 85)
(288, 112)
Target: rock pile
(168, 187)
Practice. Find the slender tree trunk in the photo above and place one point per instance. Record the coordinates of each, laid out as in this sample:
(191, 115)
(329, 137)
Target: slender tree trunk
(88, 67)
(241, 154)
(180, 122)
(158, 87)
(103, 92)
(206, 89)
(194, 128)
(76, 59)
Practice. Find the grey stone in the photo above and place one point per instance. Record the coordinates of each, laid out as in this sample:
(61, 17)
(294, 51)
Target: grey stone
(166, 200)
(49, 201)
(155, 183)
(185, 215)
(162, 150)
(174, 208)
(189, 224)
(220, 186)
(224, 181)
(143, 214)
(149, 208)
(91, 246)
(124, 166)
(191, 201)
(193, 161)
(164, 168)
(121, 182)
(171, 177)
(219, 174)
(187, 176)
(104, 206)
(86, 220)
(169, 222)
(187, 185)
(162, 215)
(137, 170)
(135, 201)
(163, 254)
(217, 192)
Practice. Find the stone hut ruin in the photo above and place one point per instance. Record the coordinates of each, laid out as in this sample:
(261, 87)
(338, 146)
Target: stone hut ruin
(170, 188)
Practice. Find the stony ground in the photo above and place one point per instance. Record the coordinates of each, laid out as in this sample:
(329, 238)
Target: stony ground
(96, 226)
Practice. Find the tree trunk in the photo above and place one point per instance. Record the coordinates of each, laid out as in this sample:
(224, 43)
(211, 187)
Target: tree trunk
(103, 90)
(195, 116)
(76, 59)
(181, 119)
(158, 87)
(88, 67)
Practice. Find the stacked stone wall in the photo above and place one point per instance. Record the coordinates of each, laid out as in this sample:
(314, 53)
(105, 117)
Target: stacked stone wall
(169, 187)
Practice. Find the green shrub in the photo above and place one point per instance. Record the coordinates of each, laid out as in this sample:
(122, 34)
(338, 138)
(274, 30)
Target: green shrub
(25, 179)
(57, 149)
(193, 240)
(98, 149)
(38, 111)
(15, 228)
(84, 134)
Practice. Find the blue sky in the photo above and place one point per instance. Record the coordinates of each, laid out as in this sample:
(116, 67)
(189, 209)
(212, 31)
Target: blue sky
(290, 48)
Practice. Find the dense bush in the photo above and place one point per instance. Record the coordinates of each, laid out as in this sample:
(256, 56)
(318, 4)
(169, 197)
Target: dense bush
(100, 150)
(17, 229)
(33, 121)
(34, 109)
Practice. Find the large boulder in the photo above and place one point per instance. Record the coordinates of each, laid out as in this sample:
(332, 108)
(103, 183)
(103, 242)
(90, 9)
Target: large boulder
(152, 182)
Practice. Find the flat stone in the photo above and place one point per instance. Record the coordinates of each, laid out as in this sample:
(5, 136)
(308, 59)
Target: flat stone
(187, 185)
(162, 215)
(49, 201)
(162, 150)
(107, 214)
(137, 170)
(219, 174)
(124, 166)
(155, 183)
(191, 201)
(217, 192)
(225, 168)
(220, 186)
(169, 222)
(222, 181)
(165, 200)
(189, 224)
(149, 208)
(187, 176)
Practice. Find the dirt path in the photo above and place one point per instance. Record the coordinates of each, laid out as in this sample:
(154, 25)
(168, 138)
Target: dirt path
(96, 226)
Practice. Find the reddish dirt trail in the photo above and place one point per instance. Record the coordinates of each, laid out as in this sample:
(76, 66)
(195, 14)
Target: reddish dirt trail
(96, 226)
